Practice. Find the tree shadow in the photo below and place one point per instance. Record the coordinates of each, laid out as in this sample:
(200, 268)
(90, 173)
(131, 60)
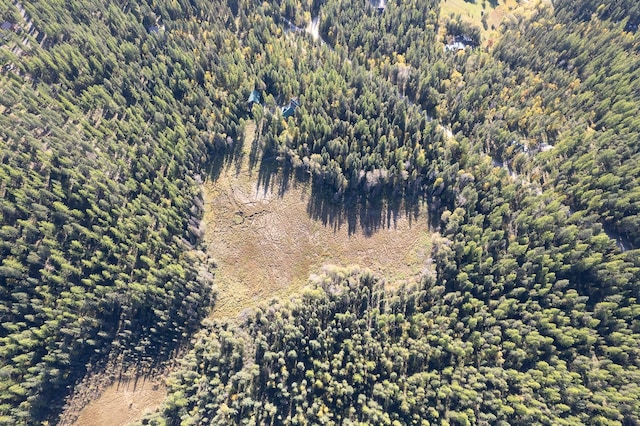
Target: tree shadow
(361, 209)
(267, 172)
(223, 155)
(277, 176)
(230, 153)
(94, 378)
(256, 145)
(367, 212)
(274, 173)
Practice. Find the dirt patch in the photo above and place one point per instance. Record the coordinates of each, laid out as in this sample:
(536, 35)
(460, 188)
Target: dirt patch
(123, 403)
(268, 235)
(492, 12)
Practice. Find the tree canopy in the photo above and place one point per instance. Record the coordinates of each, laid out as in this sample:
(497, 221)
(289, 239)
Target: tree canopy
(112, 114)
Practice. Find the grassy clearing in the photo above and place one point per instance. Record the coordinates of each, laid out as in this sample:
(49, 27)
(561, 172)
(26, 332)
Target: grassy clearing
(267, 241)
(496, 12)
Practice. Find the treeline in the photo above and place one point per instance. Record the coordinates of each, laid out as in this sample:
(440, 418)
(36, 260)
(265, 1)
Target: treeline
(347, 139)
(405, 28)
(399, 42)
(105, 131)
(627, 11)
(343, 134)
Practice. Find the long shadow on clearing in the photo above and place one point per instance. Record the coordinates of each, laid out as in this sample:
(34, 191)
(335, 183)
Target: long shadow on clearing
(368, 212)
(360, 209)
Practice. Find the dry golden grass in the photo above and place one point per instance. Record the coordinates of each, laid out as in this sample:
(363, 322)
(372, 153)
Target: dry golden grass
(123, 403)
(504, 10)
(266, 242)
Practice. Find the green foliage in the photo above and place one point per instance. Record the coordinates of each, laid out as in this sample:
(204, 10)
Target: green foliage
(627, 11)
(571, 86)
(350, 352)
(111, 114)
(100, 201)
(404, 28)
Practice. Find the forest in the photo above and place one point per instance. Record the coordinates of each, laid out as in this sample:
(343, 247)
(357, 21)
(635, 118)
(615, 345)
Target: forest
(113, 114)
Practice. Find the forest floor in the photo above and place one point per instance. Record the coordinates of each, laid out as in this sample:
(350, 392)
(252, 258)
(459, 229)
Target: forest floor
(268, 233)
(495, 11)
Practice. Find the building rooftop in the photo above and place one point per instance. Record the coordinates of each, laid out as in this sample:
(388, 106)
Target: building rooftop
(254, 97)
(289, 109)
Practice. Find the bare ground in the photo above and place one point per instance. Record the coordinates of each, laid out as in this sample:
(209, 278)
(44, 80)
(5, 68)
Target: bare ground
(123, 403)
(110, 395)
(267, 235)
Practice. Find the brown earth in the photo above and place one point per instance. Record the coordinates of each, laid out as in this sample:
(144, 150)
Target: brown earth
(268, 233)
(123, 403)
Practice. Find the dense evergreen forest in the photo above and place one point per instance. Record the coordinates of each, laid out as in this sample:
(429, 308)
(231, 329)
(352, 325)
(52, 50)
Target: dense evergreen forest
(571, 84)
(113, 113)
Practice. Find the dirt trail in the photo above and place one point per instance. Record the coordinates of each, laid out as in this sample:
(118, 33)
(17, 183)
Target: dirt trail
(267, 243)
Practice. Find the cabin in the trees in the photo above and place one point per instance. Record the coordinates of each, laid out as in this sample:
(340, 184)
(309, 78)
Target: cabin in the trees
(254, 98)
(544, 147)
(379, 5)
(152, 24)
(290, 109)
(454, 47)
(155, 29)
(9, 26)
(459, 42)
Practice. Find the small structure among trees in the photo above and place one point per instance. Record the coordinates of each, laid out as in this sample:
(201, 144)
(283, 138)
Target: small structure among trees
(459, 42)
(379, 5)
(7, 26)
(254, 98)
(290, 109)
